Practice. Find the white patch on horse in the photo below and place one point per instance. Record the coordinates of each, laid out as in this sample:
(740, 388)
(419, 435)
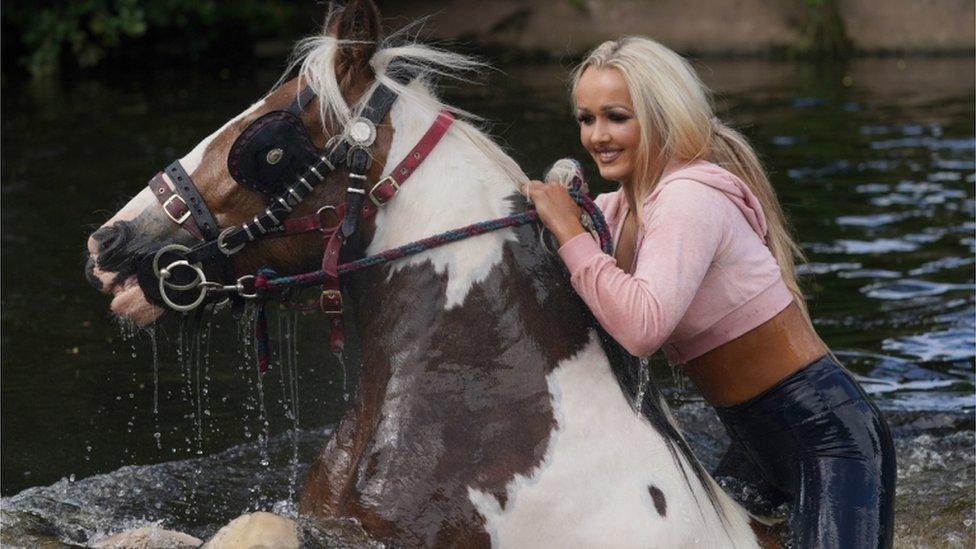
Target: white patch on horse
(591, 489)
(456, 185)
(194, 158)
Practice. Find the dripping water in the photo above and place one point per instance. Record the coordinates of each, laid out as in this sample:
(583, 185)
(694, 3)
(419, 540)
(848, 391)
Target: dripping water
(197, 393)
(342, 363)
(157, 434)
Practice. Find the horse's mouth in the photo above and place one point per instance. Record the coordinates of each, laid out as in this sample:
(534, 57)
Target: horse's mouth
(130, 303)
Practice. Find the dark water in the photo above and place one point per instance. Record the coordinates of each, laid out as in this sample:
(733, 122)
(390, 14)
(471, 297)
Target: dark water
(873, 161)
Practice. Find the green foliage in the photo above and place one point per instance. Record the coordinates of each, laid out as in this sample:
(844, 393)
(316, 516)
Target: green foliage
(84, 33)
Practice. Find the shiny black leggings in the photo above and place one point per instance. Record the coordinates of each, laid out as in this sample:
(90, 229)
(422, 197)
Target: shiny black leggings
(818, 439)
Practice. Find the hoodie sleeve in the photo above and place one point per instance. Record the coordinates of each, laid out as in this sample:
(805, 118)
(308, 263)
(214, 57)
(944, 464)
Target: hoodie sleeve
(683, 231)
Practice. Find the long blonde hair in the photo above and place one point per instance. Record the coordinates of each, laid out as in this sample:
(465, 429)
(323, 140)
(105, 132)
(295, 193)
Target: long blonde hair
(677, 122)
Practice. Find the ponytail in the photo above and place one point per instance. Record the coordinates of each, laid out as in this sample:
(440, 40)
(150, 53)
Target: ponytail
(730, 150)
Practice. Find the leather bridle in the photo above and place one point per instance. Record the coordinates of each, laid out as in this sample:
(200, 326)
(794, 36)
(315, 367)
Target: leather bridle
(175, 273)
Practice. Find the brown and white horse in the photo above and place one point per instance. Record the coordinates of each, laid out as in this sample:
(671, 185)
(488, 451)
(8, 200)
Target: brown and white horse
(489, 411)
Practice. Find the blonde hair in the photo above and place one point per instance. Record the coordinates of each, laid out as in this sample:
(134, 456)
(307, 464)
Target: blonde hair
(677, 122)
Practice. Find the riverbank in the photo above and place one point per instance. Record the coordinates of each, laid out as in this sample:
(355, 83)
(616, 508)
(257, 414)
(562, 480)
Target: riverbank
(566, 28)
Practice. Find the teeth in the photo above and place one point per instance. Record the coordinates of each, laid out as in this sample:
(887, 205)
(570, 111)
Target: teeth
(609, 156)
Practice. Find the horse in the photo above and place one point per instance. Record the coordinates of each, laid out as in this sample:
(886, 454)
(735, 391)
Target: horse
(490, 411)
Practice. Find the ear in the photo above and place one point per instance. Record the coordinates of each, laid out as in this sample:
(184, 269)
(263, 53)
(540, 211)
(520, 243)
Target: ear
(358, 22)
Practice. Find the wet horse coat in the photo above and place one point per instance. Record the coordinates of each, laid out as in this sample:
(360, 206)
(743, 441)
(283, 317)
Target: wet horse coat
(488, 410)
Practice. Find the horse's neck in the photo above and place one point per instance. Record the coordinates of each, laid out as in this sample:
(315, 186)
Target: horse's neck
(456, 185)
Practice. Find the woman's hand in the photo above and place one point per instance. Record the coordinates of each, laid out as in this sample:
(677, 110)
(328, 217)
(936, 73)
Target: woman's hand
(556, 209)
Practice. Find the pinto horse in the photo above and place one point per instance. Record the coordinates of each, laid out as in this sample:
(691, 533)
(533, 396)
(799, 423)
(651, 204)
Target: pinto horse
(489, 411)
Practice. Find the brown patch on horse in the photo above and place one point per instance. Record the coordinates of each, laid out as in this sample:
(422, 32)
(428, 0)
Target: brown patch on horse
(660, 503)
(448, 399)
(769, 536)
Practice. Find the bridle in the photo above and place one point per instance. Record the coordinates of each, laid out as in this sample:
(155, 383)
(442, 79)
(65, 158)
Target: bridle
(261, 158)
(176, 272)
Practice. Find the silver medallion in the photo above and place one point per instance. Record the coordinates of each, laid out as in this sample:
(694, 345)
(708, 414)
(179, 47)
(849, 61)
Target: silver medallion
(361, 132)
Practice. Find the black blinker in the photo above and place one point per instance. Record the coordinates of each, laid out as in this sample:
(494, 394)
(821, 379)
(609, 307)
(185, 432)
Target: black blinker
(271, 153)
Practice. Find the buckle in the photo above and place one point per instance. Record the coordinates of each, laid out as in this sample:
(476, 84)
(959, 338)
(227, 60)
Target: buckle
(186, 214)
(393, 183)
(331, 302)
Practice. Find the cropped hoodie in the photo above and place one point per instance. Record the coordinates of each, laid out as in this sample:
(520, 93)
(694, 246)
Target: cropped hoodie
(702, 274)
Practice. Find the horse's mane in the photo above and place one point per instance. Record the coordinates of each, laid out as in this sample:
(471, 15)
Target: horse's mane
(315, 57)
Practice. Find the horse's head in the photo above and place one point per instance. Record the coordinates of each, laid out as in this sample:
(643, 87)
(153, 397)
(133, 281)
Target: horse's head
(248, 167)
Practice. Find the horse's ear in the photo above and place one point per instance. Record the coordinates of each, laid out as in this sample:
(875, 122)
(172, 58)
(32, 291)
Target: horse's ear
(359, 23)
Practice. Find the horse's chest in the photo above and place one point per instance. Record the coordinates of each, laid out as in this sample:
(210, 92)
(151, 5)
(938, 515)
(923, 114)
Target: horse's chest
(607, 479)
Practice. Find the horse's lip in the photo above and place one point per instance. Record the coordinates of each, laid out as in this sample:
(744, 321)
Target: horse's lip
(115, 288)
(126, 304)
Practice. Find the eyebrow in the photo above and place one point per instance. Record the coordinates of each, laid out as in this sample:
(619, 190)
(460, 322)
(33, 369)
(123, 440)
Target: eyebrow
(606, 108)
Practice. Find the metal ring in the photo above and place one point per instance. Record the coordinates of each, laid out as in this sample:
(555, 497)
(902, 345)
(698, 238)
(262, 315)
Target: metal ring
(164, 249)
(240, 287)
(200, 279)
(224, 249)
(324, 209)
(176, 306)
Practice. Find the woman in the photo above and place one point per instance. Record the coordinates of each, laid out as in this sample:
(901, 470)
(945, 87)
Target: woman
(704, 267)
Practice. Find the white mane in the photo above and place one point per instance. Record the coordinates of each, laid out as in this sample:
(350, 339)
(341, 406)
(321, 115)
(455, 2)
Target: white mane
(315, 56)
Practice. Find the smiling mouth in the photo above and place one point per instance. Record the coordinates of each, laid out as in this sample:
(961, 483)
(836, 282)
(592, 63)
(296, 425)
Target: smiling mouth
(607, 157)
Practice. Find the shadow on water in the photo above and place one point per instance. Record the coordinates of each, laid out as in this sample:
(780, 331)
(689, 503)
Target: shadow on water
(873, 161)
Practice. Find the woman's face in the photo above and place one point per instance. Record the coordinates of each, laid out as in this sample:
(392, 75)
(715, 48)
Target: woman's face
(608, 123)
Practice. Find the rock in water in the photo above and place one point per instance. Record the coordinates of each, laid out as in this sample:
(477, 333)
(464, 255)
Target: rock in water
(148, 537)
(264, 530)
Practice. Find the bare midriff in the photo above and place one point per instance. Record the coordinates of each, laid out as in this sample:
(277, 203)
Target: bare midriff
(741, 369)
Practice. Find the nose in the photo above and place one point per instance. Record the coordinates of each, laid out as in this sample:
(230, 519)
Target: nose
(107, 241)
(90, 273)
(600, 134)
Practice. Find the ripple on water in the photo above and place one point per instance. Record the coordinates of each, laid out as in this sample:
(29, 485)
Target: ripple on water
(859, 247)
(941, 264)
(816, 268)
(875, 220)
(869, 273)
(942, 345)
(908, 288)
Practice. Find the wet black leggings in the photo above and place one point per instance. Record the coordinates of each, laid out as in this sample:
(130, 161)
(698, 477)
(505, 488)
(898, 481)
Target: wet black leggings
(818, 439)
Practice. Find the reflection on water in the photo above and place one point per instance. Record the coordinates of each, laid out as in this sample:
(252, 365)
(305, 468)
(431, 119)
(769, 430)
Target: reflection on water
(873, 161)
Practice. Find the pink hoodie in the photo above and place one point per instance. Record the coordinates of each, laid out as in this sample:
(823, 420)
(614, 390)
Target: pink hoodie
(702, 274)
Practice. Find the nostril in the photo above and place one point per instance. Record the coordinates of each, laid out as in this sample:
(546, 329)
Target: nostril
(107, 239)
(112, 244)
(90, 274)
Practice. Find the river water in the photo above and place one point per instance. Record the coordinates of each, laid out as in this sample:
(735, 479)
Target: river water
(105, 429)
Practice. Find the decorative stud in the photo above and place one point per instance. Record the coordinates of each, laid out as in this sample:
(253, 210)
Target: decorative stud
(274, 156)
(361, 132)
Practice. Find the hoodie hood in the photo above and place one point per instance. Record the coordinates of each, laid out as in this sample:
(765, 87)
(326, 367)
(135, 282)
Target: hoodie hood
(720, 179)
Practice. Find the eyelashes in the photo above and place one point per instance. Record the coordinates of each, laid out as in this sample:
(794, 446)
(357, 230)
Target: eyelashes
(617, 118)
